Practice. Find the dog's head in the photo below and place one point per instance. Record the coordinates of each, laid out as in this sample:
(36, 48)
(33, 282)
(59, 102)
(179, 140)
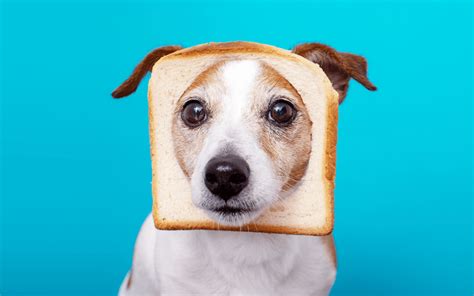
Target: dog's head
(242, 133)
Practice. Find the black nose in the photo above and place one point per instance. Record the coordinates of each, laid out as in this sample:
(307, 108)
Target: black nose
(226, 176)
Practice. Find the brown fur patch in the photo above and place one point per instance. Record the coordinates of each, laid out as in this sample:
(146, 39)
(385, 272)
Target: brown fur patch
(297, 137)
(187, 142)
(129, 281)
(275, 79)
(203, 79)
(297, 172)
(338, 66)
(145, 66)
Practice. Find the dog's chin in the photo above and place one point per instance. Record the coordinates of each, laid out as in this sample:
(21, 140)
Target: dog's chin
(238, 212)
(232, 216)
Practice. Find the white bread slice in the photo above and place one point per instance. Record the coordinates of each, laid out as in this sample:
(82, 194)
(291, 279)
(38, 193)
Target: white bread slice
(310, 209)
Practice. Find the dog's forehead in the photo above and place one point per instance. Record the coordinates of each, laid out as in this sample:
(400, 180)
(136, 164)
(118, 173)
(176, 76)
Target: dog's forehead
(239, 78)
(240, 74)
(232, 72)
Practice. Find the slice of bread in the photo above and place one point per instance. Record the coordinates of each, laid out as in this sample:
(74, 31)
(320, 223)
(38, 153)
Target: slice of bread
(309, 210)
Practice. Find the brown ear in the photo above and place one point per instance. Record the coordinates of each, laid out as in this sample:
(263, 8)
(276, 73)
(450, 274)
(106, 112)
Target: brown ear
(339, 67)
(131, 84)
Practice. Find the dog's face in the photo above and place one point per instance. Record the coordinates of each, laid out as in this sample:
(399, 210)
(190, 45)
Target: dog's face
(241, 132)
(242, 135)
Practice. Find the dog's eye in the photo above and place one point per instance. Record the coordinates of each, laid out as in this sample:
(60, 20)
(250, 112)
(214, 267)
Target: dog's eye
(281, 112)
(193, 114)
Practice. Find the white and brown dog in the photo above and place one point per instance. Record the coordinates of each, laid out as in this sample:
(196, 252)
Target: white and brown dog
(237, 93)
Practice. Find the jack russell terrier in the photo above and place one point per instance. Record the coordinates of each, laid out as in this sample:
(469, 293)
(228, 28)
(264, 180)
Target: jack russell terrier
(200, 262)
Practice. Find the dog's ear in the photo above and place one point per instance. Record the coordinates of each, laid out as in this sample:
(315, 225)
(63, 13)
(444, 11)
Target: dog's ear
(339, 67)
(131, 84)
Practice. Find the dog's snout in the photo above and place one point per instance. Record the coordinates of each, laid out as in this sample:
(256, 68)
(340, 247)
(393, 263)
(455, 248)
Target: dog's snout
(226, 176)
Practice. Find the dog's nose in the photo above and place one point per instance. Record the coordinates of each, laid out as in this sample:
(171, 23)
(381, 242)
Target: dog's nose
(226, 176)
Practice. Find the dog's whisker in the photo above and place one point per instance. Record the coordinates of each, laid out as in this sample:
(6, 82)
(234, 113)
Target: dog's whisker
(255, 225)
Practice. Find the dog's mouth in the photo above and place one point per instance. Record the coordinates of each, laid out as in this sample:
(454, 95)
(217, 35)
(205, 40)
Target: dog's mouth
(232, 215)
(228, 210)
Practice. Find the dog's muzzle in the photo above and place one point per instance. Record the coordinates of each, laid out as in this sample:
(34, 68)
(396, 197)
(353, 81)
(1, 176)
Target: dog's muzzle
(226, 176)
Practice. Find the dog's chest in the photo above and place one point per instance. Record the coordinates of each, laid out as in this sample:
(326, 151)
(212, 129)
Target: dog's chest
(230, 263)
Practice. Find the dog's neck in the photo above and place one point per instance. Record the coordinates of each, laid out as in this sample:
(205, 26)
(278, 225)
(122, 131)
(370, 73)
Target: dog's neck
(240, 256)
(245, 248)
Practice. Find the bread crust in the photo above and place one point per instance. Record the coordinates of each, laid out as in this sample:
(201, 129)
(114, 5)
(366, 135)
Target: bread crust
(328, 167)
(213, 48)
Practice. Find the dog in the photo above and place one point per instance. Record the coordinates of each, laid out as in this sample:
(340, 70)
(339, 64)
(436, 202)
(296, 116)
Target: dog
(226, 151)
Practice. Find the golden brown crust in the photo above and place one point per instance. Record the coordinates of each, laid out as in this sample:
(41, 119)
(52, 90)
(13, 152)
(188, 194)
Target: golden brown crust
(213, 48)
(151, 128)
(330, 154)
(210, 225)
(331, 140)
(230, 48)
(330, 159)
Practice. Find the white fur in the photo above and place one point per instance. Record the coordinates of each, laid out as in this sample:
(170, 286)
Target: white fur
(231, 263)
(228, 263)
(232, 131)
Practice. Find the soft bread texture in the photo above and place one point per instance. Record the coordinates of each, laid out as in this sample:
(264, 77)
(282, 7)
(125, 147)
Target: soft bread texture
(310, 208)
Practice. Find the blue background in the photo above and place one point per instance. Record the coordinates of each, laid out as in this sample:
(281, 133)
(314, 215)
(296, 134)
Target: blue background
(75, 164)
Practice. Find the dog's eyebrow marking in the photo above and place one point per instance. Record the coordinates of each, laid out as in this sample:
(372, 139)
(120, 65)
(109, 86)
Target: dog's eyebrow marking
(204, 78)
(276, 80)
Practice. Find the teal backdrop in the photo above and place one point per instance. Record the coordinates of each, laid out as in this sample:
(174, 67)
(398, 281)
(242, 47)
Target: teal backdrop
(75, 164)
